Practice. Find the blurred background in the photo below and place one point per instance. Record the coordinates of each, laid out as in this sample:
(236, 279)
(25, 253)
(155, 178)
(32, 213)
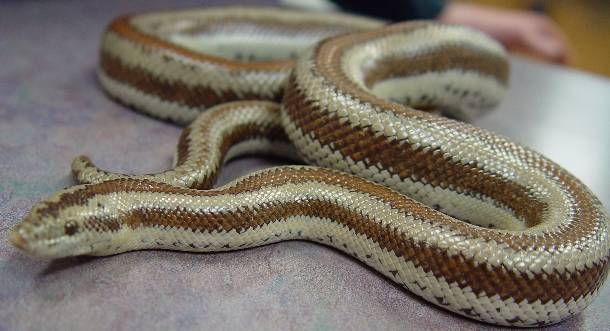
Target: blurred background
(586, 23)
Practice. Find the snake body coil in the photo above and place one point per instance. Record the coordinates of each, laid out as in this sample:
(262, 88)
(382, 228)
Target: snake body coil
(174, 65)
(500, 233)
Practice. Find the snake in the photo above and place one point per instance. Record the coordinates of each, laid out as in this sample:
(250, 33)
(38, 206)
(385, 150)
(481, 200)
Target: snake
(467, 219)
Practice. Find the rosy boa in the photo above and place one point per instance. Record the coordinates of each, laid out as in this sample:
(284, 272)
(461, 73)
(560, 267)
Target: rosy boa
(500, 233)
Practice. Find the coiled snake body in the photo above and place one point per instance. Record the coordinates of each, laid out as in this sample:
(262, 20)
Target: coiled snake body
(500, 233)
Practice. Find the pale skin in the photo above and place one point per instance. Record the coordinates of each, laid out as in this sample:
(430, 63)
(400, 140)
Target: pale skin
(526, 32)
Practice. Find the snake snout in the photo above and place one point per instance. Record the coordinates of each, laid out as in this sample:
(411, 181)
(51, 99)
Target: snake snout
(17, 240)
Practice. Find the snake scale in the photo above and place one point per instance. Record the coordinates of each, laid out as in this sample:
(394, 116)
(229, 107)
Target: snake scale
(468, 220)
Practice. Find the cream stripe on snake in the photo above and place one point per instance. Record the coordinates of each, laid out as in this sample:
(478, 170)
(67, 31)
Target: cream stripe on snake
(511, 237)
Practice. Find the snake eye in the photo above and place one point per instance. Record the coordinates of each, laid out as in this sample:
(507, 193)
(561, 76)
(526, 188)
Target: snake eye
(71, 228)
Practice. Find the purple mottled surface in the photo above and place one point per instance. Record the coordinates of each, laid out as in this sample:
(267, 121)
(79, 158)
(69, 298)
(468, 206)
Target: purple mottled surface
(52, 110)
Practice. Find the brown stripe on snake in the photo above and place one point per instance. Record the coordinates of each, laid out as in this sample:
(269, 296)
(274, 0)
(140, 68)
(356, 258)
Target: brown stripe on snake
(398, 66)
(151, 43)
(175, 91)
(241, 133)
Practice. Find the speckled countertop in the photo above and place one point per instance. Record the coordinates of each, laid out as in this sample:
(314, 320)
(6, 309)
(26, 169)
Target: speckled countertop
(52, 110)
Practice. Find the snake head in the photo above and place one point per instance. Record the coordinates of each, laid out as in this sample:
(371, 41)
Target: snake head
(72, 221)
